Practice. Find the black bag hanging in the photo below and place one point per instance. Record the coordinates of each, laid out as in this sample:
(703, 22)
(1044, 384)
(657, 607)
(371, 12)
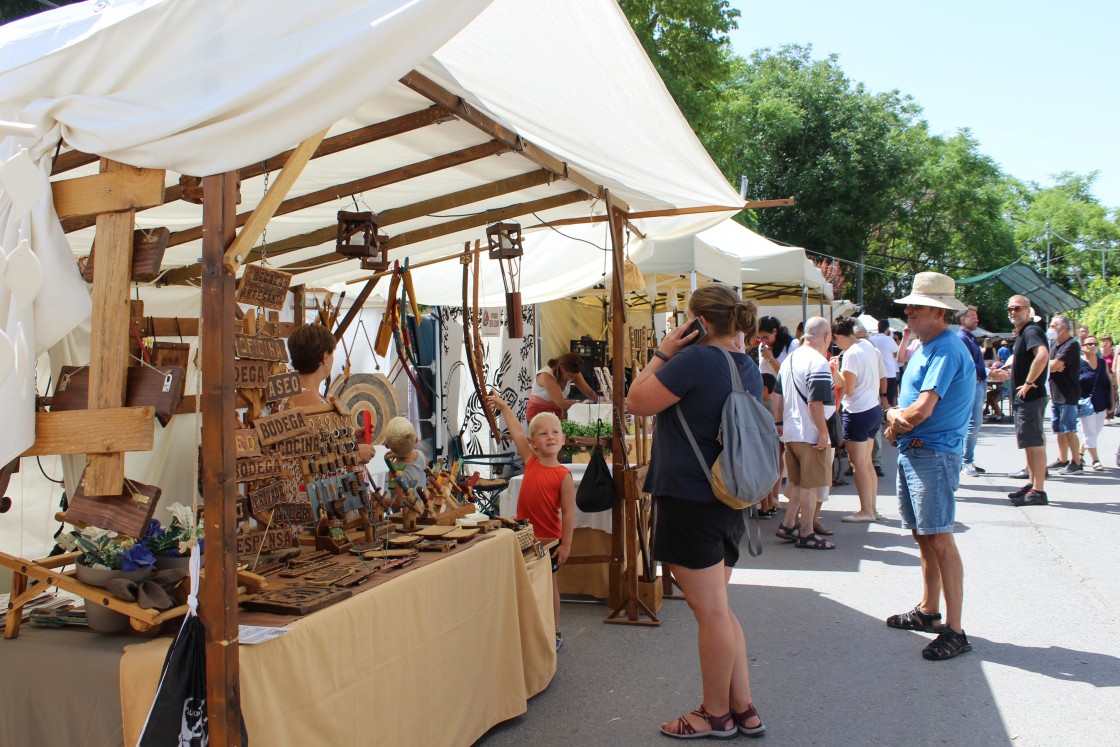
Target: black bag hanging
(179, 715)
(596, 489)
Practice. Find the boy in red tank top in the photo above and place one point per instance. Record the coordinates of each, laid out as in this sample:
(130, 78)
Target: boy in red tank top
(548, 496)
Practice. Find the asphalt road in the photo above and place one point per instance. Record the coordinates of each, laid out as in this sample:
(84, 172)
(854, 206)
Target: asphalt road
(1042, 609)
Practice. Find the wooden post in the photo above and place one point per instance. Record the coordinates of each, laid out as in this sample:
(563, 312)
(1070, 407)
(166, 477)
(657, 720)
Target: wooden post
(218, 598)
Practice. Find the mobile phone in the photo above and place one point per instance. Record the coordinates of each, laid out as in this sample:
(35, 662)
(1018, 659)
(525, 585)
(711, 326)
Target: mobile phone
(695, 326)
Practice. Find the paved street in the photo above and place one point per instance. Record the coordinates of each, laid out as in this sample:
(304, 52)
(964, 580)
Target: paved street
(1042, 609)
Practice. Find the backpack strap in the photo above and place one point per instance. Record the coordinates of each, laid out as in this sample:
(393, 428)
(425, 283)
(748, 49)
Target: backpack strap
(692, 441)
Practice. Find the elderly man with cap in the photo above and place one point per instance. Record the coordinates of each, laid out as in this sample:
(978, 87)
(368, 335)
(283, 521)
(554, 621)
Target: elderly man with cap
(930, 426)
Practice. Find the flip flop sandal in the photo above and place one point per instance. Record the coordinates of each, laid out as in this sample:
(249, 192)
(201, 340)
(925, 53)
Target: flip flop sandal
(813, 542)
(741, 720)
(720, 727)
(787, 534)
(915, 619)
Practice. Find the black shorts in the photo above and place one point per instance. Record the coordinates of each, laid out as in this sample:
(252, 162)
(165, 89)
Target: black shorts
(1029, 417)
(552, 557)
(696, 534)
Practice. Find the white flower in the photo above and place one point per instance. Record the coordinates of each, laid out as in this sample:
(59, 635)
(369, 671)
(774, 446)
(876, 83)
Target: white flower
(183, 514)
(95, 533)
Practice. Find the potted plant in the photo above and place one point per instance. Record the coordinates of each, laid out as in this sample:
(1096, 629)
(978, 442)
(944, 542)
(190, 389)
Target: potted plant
(104, 556)
(172, 545)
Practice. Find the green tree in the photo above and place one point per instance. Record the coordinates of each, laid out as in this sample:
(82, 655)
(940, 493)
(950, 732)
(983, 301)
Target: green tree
(1102, 316)
(688, 43)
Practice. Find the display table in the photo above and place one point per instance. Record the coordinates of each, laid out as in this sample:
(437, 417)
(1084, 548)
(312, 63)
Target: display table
(591, 536)
(435, 656)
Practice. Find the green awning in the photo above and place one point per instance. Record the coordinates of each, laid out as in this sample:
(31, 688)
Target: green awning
(1046, 296)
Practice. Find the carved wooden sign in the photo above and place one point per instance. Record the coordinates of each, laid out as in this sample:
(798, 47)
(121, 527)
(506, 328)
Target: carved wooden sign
(258, 468)
(297, 447)
(246, 443)
(250, 374)
(274, 539)
(281, 426)
(282, 386)
(261, 286)
(295, 599)
(260, 348)
(272, 495)
(296, 513)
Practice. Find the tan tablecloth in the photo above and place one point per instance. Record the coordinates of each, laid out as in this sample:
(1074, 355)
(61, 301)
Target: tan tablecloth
(435, 657)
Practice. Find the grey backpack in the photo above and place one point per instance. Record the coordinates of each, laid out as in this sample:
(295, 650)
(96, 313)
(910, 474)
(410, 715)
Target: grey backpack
(747, 469)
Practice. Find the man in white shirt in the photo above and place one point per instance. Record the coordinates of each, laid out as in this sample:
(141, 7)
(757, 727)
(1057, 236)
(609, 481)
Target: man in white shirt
(806, 381)
(861, 371)
(885, 344)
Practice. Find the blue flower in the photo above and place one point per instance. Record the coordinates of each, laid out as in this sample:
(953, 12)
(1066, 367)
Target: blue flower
(137, 557)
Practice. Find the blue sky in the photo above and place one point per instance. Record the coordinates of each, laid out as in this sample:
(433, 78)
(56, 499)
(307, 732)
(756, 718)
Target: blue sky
(1037, 83)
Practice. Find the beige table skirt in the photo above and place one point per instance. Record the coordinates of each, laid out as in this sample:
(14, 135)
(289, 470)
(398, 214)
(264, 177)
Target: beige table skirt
(435, 657)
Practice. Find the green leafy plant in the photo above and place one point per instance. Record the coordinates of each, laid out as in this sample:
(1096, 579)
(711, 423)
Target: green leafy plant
(101, 548)
(180, 535)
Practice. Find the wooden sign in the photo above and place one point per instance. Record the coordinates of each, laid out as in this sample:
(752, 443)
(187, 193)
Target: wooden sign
(250, 374)
(246, 443)
(282, 426)
(127, 513)
(297, 447)
(258, 468)
(274, 539)
(275, 329)
(296, 513)
(295, 600)
(282, 386)
(271, 495)
(261, 286)
(260, 348)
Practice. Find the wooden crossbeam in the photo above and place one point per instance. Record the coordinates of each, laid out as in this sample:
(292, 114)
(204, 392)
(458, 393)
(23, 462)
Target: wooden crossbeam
(668, 212)
(387, 217)
(453, 226)
(271, 202)
(123, 188)
(462, 109)
(105, 431)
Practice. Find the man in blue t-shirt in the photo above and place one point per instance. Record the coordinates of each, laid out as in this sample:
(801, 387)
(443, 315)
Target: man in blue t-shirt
(930, 425)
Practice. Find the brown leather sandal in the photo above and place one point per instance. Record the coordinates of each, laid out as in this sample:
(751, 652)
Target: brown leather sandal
(741, 720)
(719, 727)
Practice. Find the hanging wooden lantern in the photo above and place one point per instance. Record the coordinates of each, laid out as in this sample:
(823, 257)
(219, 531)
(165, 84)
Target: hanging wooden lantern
(358, 238)
(380, 261)
(504, 240)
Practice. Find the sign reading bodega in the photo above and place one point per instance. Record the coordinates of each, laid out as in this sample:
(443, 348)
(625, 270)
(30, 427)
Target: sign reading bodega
(282, 426)
(260, 348)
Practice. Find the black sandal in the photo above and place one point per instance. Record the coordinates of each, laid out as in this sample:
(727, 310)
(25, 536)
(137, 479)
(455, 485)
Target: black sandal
(788, 534)
(720, 727)
(915, 619)
(813, 542)
(741, 720)
(948, 644)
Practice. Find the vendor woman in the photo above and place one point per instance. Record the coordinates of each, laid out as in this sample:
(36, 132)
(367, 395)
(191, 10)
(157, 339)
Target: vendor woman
(553, 383)
(311, 348)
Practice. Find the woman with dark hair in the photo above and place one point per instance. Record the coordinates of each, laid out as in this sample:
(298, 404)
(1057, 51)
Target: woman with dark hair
(695, 535)
(1096, 398)
(774, 344)
(552, 384)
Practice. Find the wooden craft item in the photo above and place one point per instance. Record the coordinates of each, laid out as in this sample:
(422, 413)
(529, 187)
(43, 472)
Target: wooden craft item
(268, 570)
(359, 575)
(260, 348)
(282, 386)
(246, 443)
(295, 599)
(435, 531)
(281, 426)
(250, 543)
(299, 446)
(271, 495)
(462, 534)
(295, 513)
(358, 548)
(400, 562)
(127, 513)
(307, 569)
(372, 394)
(262, 286)
(308, 559)
(448, 516)
(404, 540)
(171, 354)
(329, 578)
(391, 553)
(258, 468)
(437, 545)
(148, 246)
(251, 374)
(146, 387)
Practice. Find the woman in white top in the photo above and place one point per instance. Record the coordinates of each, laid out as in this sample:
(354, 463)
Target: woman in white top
(775, 343)
(552, 384)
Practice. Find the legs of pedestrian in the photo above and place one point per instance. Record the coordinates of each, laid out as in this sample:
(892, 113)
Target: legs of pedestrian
(867, 482)
(1092, 425)
(974, 423)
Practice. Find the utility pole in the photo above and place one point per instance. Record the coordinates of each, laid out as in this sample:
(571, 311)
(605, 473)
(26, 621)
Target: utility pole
(859, 279)
(1047, 250)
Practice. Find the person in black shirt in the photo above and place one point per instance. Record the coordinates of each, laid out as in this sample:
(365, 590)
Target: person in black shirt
(1065, 391)
(1029, 360)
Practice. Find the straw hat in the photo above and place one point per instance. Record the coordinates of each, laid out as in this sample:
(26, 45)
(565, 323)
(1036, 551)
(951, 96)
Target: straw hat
(933, 289)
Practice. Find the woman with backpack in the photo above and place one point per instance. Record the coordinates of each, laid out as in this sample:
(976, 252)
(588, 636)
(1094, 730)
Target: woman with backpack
(696, 536)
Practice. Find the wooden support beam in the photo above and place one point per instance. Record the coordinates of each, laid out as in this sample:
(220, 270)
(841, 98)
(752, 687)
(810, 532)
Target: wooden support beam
(319, 197)
(355, 308)
(271, 202)
(117, 190)
(105, 431)
(218, 600)
(668, 212)
(462, 109)
(386, 217)
(450, 227)
(335, 144)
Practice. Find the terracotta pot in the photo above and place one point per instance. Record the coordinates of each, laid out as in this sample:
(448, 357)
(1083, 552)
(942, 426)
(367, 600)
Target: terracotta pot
(99, 617)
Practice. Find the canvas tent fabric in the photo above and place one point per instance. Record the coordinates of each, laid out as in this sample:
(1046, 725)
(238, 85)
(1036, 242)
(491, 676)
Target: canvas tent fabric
(203, 86)
(1047, 297)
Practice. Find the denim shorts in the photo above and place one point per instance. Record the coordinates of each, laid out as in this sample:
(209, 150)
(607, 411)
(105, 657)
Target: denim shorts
(862, 426)
(927, 486)
(1063, 418)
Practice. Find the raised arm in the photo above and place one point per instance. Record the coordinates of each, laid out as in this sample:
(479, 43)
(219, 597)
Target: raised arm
(516, 432)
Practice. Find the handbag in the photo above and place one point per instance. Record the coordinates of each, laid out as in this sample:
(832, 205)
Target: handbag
(596, 490)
